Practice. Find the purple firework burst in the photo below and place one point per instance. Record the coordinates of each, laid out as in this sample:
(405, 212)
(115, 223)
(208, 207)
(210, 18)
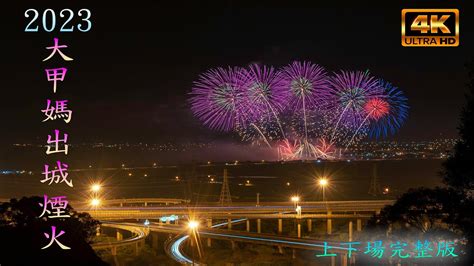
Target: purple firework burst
(219, 100)
(350, 92)
(307, 84)
(267, 89)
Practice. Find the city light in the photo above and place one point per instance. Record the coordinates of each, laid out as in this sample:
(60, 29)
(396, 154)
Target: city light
(95, 203)
(193, 225)
(323, 182)
(96, 188)
(295, 198)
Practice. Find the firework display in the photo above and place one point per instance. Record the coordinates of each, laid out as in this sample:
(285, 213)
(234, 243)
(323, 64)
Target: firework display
(300, 110)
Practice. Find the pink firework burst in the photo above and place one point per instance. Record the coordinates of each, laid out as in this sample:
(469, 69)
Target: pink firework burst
(288, 150)
(325, 149)
(376, 108)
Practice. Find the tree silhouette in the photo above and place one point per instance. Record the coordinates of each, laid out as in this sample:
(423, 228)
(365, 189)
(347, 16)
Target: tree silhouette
(22, 235)
(459, 168)
(448, 211)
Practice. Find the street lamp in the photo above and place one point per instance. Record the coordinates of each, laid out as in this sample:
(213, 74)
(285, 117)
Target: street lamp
(96, 187)
(323, 183)
(295, 200)
(95, 203)
(193, 225)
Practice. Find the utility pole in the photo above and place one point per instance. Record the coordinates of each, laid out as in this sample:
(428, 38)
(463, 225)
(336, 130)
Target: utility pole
(225, 191)
(374, 188)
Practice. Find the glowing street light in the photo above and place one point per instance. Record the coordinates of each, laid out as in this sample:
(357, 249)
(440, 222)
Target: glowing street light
(95, 203)
(96, 188)
(323, 183)
(295, 200)
(193, 225)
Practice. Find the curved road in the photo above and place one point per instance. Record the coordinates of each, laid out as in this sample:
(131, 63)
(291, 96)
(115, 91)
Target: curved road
(175, 247)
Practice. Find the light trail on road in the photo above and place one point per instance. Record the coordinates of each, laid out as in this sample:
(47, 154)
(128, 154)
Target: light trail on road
(263, 239)
(176, 246)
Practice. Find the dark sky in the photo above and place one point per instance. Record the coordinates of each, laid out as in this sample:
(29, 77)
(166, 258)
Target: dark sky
(132, 71)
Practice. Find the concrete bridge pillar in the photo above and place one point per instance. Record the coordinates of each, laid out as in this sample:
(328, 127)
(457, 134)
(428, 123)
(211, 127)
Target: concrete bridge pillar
(359, 225)
(329, 224)
(293, 255)
(333, 261)
(350, 233)
(229, 223)
(137, 248)
(248, 225)
(232, 244)
(114, 251)
(299, 230)
(280, 249)
(209, 225)
(259, 225)
(352, 260)
(154, 241)
(310, 225)
(119, 236)
(280, 226)
(344, 260)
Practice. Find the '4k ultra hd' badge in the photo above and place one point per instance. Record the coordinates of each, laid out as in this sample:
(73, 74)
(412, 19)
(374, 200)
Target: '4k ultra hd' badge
(430, 27)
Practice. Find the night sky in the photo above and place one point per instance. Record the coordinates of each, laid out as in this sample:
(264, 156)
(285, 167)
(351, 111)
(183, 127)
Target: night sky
(132, 72)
